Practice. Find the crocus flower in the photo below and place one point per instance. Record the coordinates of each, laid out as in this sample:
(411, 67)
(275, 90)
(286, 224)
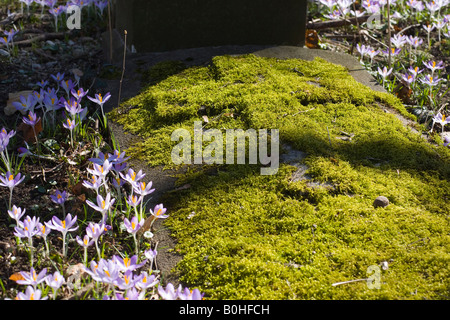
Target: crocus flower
(102, 157)
(55, 282)
(58, 77)
(399, 40)
(441, 119)
(146, 281)
(101, 170)
(446, 141)
(131, 294)
(131, 177)
(430, 80)
(408, 78)
(85, 243)
(133, 200)
(100, 100)
(95, 230)
(25, 104)
(27, 228)
(32, 278)
(361, 49)
(67, 85)
(101, 5)
(42, 84)
(134, 225)
(16, 214)
(79, 94)
(10, 182)
(32, 119)
(433, 66)
(128, 280)
(187, 294)
(43, 232)
(31, 294)
(159, 212)
(60, 198)
(151, 255)
(103, 205)
(169, 293)
(94, 183)
(415, 71)
(143, 189)
(414, 41)
(70, 125)
(63, 226)
(394, 51)
(73, 107)
(108, 271)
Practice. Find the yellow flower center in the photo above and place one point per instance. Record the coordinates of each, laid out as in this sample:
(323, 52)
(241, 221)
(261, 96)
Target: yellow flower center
(11, 177)
(100, 97)
(103, 204)
(133, 176)
(63, 223)
(126, 262)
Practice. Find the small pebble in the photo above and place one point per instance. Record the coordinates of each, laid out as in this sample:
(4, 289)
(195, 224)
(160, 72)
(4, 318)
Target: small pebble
(381, 201)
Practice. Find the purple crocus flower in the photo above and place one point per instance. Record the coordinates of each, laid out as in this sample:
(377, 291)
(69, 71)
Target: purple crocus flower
(55, 280)
(31, 294)
(63, 226)
(143, 189)
(127, 281)
(79, 94)
(16, 213)
(131, 294)
(67, 85)
(85, 242)
(108, 271)
(408, 78)
(446, 141)
(187, 294)
(441, 119)
(95, 183)
(433, 66)
(169, 293)
(42, 84)
(32, 278)
(415, 71)
(25, 104)
(134, 225)
(103, 205)
(10, 181)
(134, 200)
(159, 212)
(27, 228)
(430, 80)
(101, 5)
(99, 99)
(59, 197)
(146, 281)
(131, 177)
(101, 170)
(58, 77)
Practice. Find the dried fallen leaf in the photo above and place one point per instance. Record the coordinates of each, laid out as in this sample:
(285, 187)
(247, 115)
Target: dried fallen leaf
(16, 276)
(28, 132)
(14, 97)
(312, 39)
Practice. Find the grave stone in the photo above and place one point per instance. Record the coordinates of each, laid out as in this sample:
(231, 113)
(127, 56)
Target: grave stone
(164, 25)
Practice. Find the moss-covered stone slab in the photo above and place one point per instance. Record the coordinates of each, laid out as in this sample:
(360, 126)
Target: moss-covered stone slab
(244, 235)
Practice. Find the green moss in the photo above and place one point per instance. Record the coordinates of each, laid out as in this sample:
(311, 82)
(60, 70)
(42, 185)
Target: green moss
(248, 236)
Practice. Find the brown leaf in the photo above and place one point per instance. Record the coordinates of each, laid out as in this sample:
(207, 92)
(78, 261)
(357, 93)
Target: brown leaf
(28, 132)
(312, 39)
(16, 276)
